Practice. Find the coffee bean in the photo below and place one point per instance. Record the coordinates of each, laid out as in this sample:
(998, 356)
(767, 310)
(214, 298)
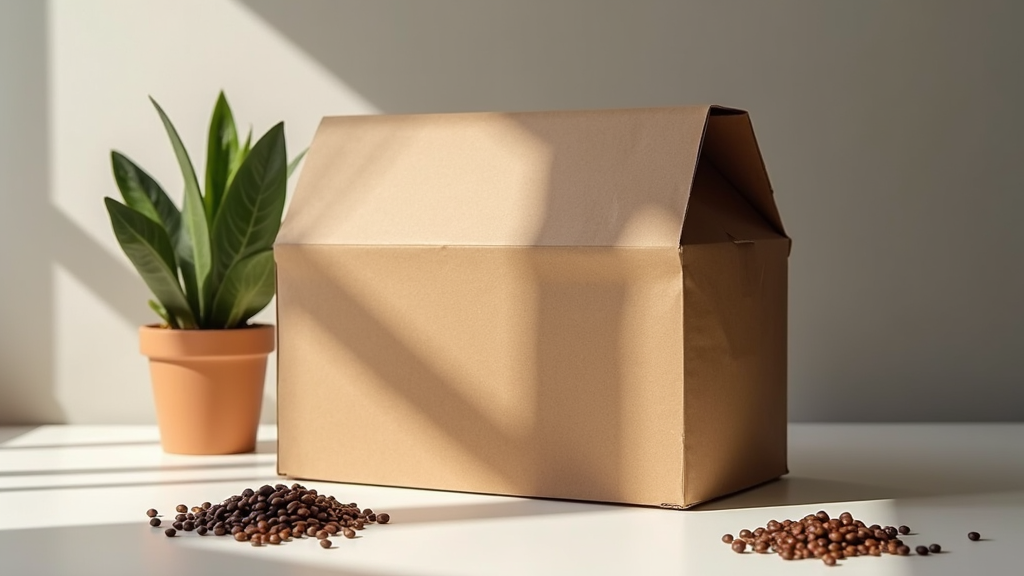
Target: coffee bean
(178, 525)
(828, 560)
(727, 538)
(202, 530)
(746, 533)
(973, 536)
(154, 522)
(383, 518)
(761, 547)
(151, 513)
(170, 532)
(903, 550)
(904, 530)
(181, 508)
(935, 548)
(256, 542)
(738, 546)
(188, 525)
(325, 543)
(921, 550)
(274, 539)
(350, 533)
(220, 531)
(241, 536)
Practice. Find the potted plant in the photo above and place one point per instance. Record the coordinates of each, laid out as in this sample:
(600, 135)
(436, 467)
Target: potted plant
(210, 267)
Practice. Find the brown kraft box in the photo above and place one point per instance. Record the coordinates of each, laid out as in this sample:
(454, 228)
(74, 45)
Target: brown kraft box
(585, 305)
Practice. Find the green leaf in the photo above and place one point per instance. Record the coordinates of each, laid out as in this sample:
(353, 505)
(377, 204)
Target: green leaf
(141, 192)
(236, 161)
(149, 248)
(250, 215)
(295, 162)
(162, 313)
(197, 263)
(247, 288)
(222, 147)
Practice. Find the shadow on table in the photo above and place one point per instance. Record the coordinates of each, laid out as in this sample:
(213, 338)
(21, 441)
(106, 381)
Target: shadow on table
(796, 491)
(83, 445)
(493, 510)
(133, 549)
(252, 479)
(10, 433)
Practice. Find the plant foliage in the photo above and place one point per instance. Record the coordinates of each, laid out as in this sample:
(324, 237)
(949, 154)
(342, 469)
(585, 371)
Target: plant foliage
(210, 264)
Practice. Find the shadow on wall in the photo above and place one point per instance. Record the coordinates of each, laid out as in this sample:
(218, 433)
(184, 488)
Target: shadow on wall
(58, 240)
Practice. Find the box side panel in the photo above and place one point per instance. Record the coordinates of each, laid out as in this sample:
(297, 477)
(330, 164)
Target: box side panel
(734, 415)
(551, 372)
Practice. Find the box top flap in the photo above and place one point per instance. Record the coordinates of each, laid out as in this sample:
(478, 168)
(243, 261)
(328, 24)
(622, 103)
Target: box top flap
(731, 148)
(573, 178)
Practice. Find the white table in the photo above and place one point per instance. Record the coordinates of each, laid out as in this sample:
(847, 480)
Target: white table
(73, 501)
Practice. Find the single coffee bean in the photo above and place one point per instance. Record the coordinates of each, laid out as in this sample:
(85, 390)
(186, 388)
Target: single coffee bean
(325, 543)
(241, 536)
(350, 533)
(921, 550)
(828, 560)
(170, 532)
(738, 546)
(274, 539)
(904, 530)
(151, 512)
(188, 525)
(196, 509)
(935, 548)
(383, 518)
(202, 530)
(154, 522)
(903, 550)
(181, 517)
(256, 542)
(206, 505)
(746, 533)
(181, 508)
(875, 551)
(727, 538)
(219, 531)
(761, 547)
(178, 525)
(973, 536)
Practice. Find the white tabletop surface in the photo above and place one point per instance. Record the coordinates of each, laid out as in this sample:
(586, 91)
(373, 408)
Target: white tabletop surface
(73, 501)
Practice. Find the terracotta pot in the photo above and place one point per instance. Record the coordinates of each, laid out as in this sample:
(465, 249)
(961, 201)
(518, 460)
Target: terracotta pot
(208, 386)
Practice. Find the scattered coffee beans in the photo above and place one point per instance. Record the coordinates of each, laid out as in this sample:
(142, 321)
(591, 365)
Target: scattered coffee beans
(276, 514)
(821, 536)
(973, 536)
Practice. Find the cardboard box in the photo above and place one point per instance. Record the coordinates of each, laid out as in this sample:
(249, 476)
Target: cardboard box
(585, 305)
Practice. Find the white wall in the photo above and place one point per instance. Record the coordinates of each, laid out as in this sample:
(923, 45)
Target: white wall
(892, 132)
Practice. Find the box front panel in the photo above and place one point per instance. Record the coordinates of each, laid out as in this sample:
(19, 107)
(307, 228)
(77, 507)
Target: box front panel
(552, 372)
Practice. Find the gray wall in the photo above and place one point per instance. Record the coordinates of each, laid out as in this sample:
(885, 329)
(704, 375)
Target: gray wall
(891, 131)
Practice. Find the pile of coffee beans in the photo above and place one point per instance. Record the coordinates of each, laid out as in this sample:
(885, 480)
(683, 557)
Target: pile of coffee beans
(829, 539)
(272, 515)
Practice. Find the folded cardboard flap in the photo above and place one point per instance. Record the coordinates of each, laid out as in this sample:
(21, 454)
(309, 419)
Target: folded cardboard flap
(583, 305)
